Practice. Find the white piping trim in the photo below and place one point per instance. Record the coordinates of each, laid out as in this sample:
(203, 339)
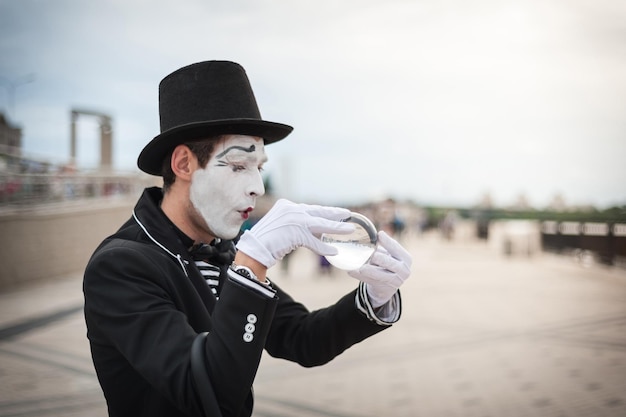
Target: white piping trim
(178, 257)
(391, 309)
(256, 285)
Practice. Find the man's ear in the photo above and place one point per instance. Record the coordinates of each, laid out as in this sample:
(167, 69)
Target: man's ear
(183, 162)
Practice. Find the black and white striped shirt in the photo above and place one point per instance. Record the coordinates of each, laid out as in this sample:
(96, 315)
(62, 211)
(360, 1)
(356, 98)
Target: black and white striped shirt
(211, 274)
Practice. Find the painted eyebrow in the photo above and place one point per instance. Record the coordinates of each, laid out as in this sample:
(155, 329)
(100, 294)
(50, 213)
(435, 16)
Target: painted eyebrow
(251, 149)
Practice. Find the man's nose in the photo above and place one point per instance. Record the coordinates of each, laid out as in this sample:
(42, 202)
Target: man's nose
(257, 188)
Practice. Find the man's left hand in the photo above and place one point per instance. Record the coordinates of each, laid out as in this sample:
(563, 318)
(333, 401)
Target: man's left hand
(386, 270)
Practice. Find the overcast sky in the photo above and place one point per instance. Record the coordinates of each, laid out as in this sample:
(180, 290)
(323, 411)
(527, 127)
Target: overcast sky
(438, 101)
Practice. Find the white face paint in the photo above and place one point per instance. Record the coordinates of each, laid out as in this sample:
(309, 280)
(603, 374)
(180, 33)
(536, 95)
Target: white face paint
(225, 191)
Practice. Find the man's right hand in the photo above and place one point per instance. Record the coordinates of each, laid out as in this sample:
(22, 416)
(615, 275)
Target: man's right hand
(288, 226)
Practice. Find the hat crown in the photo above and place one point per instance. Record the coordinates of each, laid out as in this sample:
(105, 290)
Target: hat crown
(206, 91)
(205, 100)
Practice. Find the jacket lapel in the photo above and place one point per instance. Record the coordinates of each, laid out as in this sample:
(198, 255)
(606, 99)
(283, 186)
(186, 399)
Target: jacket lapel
(156, 223)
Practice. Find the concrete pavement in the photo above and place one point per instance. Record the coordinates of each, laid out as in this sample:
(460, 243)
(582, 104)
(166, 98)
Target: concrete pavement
(481, 335)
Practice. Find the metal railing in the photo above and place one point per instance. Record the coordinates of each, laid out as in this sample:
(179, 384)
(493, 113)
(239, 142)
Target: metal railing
(604, 241)
(19, 189)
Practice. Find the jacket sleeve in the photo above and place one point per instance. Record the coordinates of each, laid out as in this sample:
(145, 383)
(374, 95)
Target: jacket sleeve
(314, 338)
(241, 323)
(132, 304)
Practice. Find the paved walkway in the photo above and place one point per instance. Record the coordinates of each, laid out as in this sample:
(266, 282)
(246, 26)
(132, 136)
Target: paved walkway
(481, 335)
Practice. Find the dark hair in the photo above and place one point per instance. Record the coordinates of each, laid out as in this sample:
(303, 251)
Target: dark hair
(201, 149)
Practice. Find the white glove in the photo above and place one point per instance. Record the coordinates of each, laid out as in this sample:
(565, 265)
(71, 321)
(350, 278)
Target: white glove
(288, 226)
(388, 267)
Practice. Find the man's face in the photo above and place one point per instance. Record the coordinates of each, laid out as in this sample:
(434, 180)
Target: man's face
(225, 191)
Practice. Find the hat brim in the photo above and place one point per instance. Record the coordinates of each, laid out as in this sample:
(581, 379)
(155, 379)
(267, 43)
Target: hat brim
(151, 157)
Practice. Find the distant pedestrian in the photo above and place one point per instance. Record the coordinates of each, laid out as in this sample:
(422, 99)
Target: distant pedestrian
(325, 267)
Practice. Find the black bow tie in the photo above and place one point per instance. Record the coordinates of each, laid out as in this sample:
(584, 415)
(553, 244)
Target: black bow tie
(220, 252)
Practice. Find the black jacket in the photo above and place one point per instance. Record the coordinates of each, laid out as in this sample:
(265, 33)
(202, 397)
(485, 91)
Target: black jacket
(146, 303)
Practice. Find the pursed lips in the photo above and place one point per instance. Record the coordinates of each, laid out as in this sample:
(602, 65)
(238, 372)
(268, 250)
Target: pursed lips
(246, 213)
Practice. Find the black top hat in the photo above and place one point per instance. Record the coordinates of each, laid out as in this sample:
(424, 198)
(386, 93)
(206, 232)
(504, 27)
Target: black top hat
(202, 100)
